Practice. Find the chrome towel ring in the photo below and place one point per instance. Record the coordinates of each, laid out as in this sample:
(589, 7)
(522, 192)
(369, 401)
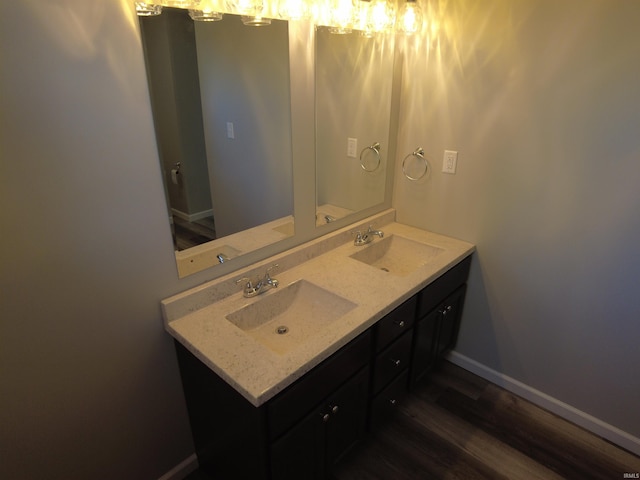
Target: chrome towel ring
(419, 154)
(375, 148)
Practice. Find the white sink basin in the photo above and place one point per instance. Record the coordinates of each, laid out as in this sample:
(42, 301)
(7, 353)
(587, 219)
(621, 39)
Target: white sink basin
(283, 319)
(396, 255)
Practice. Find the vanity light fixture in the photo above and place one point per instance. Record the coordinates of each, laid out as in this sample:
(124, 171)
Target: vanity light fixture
(180, 3)
(374, 16)
(343, 13)
(144, 9)
(255, 21)
(205, 15)
(293, 9)
(368, 17)
(410, 17)
(252, 12)
(250, 8)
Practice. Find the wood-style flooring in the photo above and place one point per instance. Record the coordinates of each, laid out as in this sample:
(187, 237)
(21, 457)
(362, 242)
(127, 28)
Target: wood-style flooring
(459, 426)
(189, 234)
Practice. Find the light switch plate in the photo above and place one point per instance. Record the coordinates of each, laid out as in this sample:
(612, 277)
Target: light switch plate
(450, 161)
(352, 147)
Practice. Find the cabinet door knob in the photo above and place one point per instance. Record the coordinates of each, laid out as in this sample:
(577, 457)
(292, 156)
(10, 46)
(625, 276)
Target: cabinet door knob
(395, 362)
(334, 409)
(399, 323)
(326, 417)
(393, 402)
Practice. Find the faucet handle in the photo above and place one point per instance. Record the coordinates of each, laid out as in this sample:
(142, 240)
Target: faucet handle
(373, 231)
(245, 279)
(267, 278)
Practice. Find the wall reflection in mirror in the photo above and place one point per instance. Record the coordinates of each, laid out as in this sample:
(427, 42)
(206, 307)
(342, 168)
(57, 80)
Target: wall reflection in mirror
(221, 105)
(354, 80)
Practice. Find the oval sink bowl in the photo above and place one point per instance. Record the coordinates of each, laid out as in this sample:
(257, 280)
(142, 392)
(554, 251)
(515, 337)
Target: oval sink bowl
(283, 319)
(396, 255)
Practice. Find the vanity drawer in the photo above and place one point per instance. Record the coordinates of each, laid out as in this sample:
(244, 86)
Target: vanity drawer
(386, 403)
(395, 323)
(393, 360)
(301, 397)
(434, 293)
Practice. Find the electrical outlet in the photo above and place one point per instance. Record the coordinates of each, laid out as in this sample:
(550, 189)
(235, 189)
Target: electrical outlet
(450, 161)
(230, 132)
(352, 147)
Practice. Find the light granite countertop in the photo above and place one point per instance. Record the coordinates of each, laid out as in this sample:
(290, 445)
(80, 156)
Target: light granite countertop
(197, 317)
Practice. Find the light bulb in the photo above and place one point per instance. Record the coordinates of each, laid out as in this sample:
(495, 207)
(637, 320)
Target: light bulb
(342, 16)
(255, 21)
(382, 16)
(148, 9)
(205, 15)
(293, 9)
(181, 3)
(410, 17)
(252, 8)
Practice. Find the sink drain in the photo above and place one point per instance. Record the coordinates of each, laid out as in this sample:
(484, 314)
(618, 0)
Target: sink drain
(281, 330)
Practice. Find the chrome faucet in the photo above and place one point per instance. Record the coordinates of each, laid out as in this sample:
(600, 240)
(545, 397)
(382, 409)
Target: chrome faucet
(366, 237)
(371, 231)
(251, 289)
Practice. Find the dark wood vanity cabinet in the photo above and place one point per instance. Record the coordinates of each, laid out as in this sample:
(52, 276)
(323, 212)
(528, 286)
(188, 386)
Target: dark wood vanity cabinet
(317, 420)
(318, 441)
(392, 356)
(305, 429)
(438, 320)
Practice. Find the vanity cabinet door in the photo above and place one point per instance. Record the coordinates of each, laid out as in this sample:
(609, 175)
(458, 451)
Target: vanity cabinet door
(300, 453)
(348, 410)
(435, 334)
(319, 440)
(424, 357)
(286, 409)
(450, 313)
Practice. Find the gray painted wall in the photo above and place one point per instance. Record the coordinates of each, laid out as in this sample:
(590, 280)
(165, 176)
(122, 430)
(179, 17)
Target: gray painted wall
(89, 385)
(542, 100)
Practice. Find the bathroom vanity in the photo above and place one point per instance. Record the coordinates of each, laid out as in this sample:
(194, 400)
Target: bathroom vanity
(370, 321)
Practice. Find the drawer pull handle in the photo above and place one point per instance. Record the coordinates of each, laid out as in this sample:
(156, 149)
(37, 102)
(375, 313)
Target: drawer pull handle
(400, 323)
(395, 362)
(393, 402)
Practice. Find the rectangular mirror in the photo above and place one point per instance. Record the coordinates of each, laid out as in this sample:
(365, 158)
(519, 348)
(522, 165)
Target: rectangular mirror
(354, 86)
(221, 105)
